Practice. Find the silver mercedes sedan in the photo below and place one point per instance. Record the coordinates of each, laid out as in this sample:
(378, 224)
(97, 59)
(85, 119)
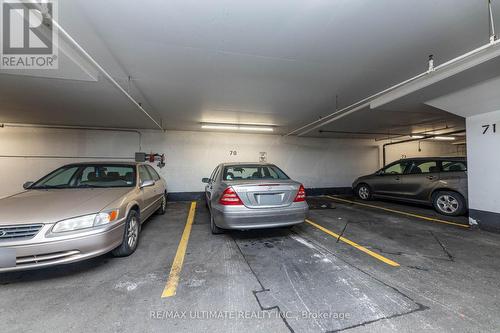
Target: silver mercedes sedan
(78, 211)
(251, 196)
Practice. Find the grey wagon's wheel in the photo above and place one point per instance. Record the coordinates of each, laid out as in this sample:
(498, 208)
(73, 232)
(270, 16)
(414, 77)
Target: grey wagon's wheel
(449, 203)
(130, 236)
(364, 192)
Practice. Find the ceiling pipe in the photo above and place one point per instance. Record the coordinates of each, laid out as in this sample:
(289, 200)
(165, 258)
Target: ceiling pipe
(366, 101)
(123, 158)
(363, 133)
(68, 127)
(493, 35)
(117, 129)
(349, 109)
(411, 140)
(97, 65)
(106, 74)
(391, 137)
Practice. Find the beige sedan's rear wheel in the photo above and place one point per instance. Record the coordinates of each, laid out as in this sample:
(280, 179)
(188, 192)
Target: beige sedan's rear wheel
(130, 237)
(163, 206)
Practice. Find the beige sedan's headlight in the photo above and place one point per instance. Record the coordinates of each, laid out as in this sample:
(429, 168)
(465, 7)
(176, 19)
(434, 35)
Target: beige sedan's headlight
(86, 221)
(106, 217)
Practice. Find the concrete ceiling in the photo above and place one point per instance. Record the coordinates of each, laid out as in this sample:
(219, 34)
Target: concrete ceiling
(480, 98)
(268, 62)
(463, 89)
(387, 124)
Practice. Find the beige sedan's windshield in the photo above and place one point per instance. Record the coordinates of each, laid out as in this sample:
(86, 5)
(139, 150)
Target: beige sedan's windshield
(85, 176)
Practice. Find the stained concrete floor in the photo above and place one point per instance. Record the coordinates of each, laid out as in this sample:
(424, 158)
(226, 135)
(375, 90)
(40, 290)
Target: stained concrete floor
(283, 280)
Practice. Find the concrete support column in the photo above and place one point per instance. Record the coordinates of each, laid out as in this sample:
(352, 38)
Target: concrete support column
(483, 155)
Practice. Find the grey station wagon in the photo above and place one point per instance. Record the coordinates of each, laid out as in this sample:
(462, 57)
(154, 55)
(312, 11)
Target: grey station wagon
(440, 182)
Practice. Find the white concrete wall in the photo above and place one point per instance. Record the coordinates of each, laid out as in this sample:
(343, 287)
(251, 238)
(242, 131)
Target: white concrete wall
(427, 148)
(96, 145)
(314, 162)
(483, 161)
(190, 155)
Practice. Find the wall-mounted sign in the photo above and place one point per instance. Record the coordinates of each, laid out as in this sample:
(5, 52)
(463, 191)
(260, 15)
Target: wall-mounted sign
(489, 128)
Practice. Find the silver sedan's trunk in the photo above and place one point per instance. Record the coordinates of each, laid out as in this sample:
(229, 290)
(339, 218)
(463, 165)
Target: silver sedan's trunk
(265, 193)
(246, 196)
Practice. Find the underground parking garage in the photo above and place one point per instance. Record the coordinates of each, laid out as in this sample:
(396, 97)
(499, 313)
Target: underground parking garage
(249, 166)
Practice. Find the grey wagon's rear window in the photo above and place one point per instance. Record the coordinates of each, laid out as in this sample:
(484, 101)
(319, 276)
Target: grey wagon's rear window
(251, 172)
(450, 166)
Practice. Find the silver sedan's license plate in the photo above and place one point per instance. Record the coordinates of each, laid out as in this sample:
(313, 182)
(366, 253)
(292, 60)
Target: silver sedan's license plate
(7, 258)
(269, 199)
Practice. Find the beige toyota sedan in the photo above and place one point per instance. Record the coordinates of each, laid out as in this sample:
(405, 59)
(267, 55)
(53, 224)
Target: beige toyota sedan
(79, 211)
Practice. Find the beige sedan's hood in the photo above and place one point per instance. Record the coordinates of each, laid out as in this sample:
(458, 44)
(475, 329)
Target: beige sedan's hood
(49, 206)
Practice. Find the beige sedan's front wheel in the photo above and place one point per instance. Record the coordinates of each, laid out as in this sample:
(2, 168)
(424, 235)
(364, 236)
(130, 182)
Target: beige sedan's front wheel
(130, 237)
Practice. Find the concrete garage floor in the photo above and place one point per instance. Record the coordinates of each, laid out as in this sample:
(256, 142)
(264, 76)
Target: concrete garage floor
(447, 279)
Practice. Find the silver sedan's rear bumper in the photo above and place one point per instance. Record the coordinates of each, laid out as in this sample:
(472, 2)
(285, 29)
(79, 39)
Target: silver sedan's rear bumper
(49, 251)
(241, 217)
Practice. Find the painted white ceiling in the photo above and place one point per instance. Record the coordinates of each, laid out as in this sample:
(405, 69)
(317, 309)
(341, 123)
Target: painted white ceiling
(465, 92)
(477, 99)
(386, 124)
(276, 62)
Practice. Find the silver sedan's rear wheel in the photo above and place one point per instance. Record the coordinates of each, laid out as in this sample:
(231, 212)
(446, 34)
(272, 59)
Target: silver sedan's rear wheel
(449, 203)
(364, 192)
(213, 227)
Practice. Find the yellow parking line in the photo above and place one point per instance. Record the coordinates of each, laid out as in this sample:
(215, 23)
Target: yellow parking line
(400, 212)
(175, 271)
(355, 245)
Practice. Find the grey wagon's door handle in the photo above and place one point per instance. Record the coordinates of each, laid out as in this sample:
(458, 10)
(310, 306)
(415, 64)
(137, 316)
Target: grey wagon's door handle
(398, 178)
(430, 177)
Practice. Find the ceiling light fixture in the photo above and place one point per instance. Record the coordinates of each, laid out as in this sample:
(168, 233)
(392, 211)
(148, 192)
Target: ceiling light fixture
(437, 137)
(220, 127)
(235, 127)
(253, 128)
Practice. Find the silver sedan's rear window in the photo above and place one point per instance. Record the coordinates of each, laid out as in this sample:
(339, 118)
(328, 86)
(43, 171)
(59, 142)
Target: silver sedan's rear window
(250, 172)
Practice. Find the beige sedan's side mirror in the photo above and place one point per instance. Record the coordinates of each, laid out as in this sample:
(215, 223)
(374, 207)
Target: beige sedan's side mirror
(27, 185)
(147, 183)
